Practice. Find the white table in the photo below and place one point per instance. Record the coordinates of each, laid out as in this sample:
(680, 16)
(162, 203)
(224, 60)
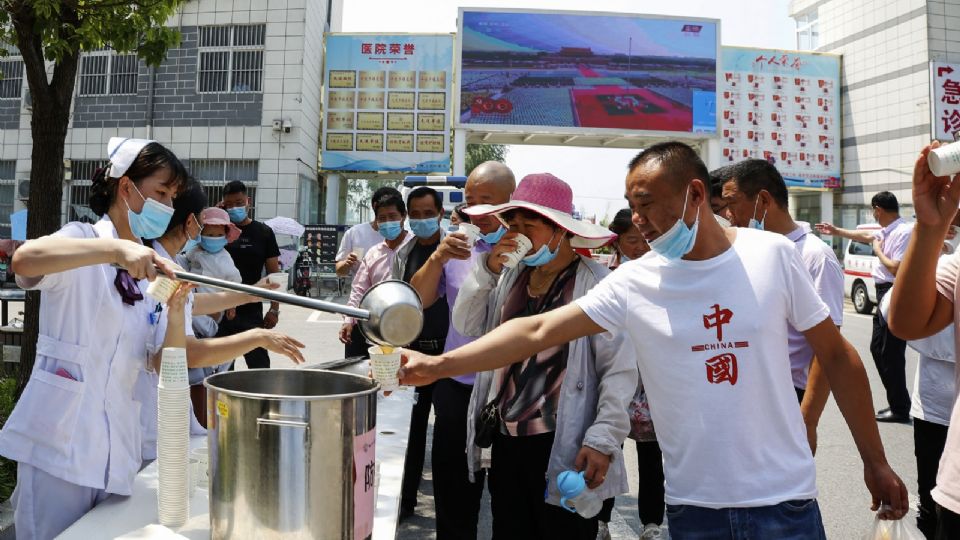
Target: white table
(121, 516)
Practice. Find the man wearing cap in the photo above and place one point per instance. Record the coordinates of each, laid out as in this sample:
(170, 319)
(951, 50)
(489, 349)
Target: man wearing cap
(714, 360)
(457, 499)
(253, 252)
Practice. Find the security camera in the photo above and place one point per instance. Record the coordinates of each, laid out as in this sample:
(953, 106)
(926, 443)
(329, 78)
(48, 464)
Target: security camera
(287, 126)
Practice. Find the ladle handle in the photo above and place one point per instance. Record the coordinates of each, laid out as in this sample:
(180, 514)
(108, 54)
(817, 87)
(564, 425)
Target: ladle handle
(309, 303)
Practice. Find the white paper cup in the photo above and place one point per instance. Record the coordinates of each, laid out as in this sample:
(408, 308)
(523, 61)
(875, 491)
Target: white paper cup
(280, 278)
(945, 160)
(358, 251)
(385, 367)
(512, 259)
(161, 288)
(472, 232)
(173, 369)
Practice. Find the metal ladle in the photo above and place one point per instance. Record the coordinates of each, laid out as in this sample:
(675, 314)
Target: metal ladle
(390, 313)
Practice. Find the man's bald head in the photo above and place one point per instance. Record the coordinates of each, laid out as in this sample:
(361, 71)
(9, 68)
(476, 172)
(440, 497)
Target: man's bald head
(493, 175)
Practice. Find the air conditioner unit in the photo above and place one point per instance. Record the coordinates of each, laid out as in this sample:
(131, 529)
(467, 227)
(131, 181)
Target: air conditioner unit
(23, 190)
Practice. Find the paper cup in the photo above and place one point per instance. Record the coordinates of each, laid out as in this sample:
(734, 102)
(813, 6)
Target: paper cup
(173, 369)
(385, 367)
(945, 160)
(161, 288)
(280, 278)
(472, 232)
(512, 258)
(358, 251)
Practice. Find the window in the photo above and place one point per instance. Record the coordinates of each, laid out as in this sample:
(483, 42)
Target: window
(78, 192)
(8, 187)
(231, 58)
(213, 175)
(808, 31)
(105, 73)
(856, 248)
(11, 78)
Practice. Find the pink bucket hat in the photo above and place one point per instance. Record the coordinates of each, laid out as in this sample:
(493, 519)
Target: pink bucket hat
(219, 216)
(552, 198)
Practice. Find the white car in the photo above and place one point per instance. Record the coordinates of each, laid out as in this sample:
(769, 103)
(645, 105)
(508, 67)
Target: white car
(859, 262)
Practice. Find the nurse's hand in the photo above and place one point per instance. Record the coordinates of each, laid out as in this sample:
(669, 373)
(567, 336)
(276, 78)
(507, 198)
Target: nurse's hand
(594, 464)
(177, 302)
(281, 344)
(140, 261)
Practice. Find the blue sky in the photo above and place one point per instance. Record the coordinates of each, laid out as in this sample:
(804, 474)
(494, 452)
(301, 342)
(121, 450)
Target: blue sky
(595, 174)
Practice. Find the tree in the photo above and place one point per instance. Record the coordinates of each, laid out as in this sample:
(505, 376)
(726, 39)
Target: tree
(478, 153)
(57, 31)
(359, 192)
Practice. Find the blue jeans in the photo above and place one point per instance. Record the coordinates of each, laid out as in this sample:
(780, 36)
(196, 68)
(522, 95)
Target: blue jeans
(790, 520)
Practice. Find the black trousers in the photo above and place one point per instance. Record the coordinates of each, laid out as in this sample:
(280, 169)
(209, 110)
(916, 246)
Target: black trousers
(357, 346)
(889, 356)
(948, 524)
(650, 504)
(257, 358)
(517, 484)
(456, 498)
(417, 442)
(929, 440)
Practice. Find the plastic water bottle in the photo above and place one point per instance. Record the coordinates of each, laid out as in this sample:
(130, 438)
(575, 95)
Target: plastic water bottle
(575, 496)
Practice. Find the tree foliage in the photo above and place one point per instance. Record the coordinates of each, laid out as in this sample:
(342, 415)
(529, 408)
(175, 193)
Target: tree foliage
(478, 153)
(50, 35)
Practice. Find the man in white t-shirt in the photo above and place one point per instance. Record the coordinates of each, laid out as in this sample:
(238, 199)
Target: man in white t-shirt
(714, 360)
(755, 196)
(356, 241)
(926, 300)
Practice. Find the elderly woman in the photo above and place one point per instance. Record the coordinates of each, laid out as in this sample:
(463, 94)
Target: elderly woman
(564, 408)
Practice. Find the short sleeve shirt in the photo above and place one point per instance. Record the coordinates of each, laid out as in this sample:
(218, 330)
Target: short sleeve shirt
(893, 243)
(947, 492)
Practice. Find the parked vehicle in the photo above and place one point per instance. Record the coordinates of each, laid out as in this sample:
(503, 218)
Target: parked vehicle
(859, 262)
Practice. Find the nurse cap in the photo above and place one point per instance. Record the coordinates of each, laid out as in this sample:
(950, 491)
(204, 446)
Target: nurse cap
(121, 152)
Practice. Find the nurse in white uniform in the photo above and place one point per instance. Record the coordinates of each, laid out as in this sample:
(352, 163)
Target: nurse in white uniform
(75, 431)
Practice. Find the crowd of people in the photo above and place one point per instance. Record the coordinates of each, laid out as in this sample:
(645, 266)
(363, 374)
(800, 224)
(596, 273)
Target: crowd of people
(711, 339)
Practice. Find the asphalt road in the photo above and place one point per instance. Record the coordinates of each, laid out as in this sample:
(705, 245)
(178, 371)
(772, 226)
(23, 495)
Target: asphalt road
(844, 499)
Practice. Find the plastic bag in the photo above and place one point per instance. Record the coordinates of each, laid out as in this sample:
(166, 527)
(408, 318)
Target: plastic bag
(901, 529)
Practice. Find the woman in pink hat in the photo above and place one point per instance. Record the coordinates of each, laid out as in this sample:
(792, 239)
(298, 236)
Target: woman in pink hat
(564, 408)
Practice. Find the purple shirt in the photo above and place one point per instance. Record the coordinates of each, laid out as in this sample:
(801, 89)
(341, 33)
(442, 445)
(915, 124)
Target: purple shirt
(893, 243)
(454, 272)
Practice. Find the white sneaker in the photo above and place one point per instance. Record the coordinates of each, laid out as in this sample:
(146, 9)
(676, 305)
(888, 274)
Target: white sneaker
(603, 531)
(651, 531)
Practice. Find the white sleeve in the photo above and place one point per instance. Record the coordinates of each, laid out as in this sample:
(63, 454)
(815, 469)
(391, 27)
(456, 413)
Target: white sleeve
(58, 280)
(827, 278)
(604, 305)
(805, 309)
(346, 245)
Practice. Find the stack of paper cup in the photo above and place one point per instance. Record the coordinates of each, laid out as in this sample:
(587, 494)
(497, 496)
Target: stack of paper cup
(173, 438)
(512, 258)
(385, 367)
(472, 232)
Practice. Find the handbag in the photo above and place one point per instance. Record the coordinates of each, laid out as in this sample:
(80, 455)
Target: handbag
(489, 420)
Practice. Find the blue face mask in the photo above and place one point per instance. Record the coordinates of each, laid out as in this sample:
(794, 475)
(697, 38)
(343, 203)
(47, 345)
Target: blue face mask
(390, 229)
(679, 239)
(237, 214)
(754, 224)
(624, 259)
(213, 244)
(542, 255)
(193, 242)
(153, 219)
(495, 236)
(424, 228)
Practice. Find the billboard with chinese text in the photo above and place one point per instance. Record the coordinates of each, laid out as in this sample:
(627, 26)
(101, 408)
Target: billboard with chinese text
(387, 103)
(945, 80)
(576, 72)
(782, 106)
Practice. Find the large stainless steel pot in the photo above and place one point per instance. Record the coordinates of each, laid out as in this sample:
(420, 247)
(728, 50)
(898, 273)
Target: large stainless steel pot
(291, 454)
